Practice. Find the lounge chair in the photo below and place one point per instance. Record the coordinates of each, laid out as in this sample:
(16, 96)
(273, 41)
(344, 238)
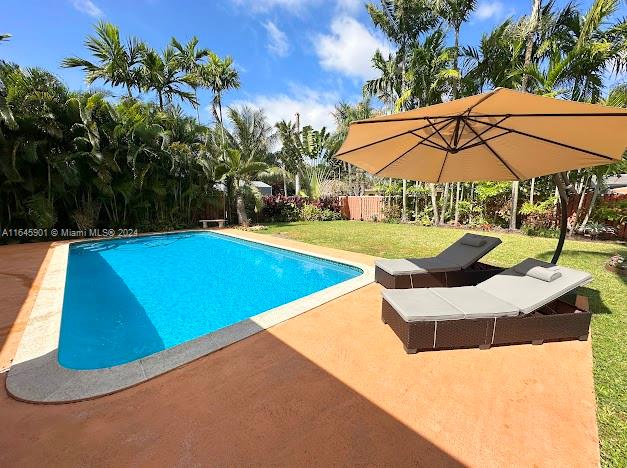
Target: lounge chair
(527, 303)
(457, 265)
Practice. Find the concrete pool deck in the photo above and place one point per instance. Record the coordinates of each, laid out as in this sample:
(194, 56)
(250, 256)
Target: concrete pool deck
(332, 386)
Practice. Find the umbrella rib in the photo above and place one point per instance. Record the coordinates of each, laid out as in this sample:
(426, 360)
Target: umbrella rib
(448, 146)
(383, 140)
(546, 140)
(423, 117)
(432, 143)
(487, 96)
(434, 146)
(465, 145)
(423, 139)
(495, 154)
(442, 166)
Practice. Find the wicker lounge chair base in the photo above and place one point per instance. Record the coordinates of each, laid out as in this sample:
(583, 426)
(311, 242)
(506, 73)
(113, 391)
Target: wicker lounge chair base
(557, 321)
(471, 276)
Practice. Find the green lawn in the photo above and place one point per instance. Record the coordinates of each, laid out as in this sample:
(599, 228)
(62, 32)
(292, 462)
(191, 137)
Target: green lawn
(607, 293)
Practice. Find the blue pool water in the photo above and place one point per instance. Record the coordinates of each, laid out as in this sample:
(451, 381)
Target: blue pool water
(128, 298)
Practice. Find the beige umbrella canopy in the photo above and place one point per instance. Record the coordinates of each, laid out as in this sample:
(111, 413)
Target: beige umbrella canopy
(499, 135)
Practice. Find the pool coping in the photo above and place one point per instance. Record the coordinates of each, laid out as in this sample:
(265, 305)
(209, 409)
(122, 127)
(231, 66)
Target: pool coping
(35, 375)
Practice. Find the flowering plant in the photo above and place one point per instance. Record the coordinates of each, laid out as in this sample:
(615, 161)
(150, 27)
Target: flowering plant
(617, 261)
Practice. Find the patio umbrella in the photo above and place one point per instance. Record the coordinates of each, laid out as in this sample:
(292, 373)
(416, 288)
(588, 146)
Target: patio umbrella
(499, 135)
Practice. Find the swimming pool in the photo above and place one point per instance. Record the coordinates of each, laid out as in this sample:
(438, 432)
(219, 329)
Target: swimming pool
(129, 298)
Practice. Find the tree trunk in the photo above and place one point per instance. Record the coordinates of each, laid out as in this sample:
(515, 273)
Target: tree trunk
(416, 202)
(221, 127)
(595, 194)
(514, 210)
(450, 200)
(404, 212)
(434, 204)
(582, 196)
(160, 100)
(472, 200)
(242, 217)
(535, 12)
(456, 88)
(297, 182)
(350, 179)
(444, 204)
(533, 187)
(533, 26)
(457, 197)
(284, 182)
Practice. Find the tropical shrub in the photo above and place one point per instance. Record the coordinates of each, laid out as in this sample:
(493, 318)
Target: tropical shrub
(392, 213)
(612, 210)
(284, 209)
(493, 198)
(281, 208)
(539, 219)
(540, 231)
(312, 212)
(598, 230)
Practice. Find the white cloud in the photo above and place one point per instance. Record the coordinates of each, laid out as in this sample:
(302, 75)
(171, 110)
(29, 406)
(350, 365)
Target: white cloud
(350, 6)
(258, 6)
(315, 107)
(88, 7)
(349, 48)
(489, 9)
(278, 44)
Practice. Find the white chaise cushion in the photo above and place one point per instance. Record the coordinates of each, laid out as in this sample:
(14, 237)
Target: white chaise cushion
(465, 302)
(528, 293)
(412, 266)
(416, 305)
(475, 303)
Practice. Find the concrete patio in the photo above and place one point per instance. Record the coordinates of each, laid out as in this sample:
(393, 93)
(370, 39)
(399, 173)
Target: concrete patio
(332, 386)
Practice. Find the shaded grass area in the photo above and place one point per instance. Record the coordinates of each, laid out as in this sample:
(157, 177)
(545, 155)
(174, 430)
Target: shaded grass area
(607, 293)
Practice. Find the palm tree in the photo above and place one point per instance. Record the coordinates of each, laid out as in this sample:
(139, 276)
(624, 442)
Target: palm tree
(491, 63)
(402, 21)
(289, 156)
(189, 57)
(116, 63)
(219, 75)
(529, 40)
(429, 74)
(163, 74)
(387, 87)
(250, 133)
(344, 115)
(246, 153)
(237, 170)
(455, 13)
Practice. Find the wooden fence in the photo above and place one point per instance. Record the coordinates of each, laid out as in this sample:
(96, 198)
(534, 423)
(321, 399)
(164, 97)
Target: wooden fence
(362, 208)
(214, 208)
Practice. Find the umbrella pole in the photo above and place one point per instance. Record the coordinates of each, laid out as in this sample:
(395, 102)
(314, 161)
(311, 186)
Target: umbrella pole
(559, 180)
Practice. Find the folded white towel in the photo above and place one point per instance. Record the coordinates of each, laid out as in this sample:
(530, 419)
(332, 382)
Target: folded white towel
(538, 272)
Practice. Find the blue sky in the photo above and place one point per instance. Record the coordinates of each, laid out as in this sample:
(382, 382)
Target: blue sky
(293, 55)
